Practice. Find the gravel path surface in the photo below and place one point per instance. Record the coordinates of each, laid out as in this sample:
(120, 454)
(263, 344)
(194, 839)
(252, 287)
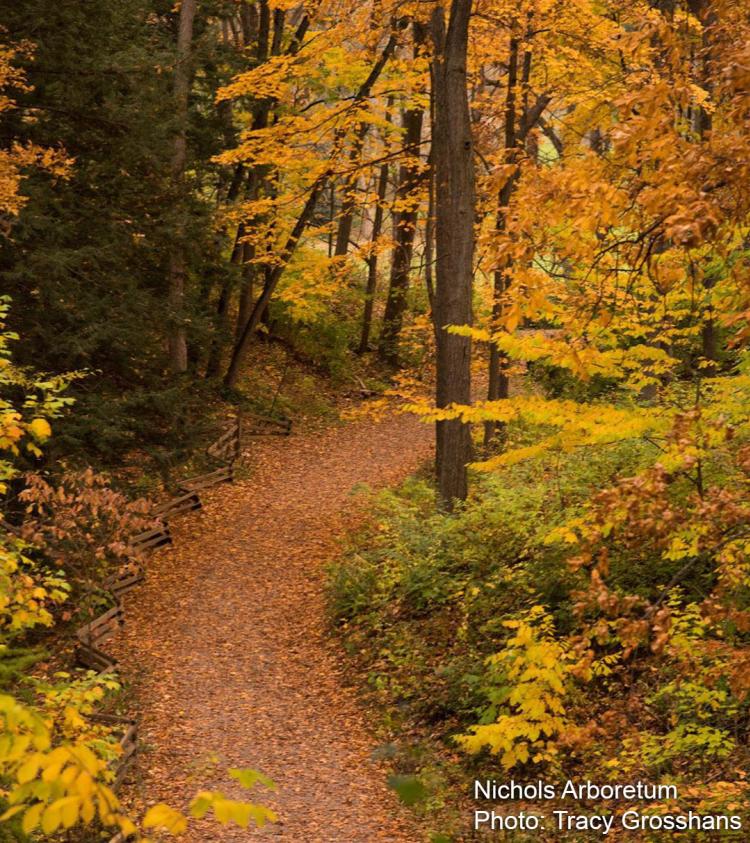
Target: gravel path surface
(227, 650)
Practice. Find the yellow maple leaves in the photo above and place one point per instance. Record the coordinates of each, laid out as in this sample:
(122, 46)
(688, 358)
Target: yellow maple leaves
(528, 683)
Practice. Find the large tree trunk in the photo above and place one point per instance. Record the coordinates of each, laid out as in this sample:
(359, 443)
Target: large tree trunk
(372, 261)
(177, 260)
(405, 226)
(454, 229)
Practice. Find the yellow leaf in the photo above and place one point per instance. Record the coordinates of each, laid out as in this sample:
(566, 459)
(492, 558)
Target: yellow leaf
(31, 818)
(69, 811)
(27, 771)
(52, 817)
(40, 429)
(162, 816)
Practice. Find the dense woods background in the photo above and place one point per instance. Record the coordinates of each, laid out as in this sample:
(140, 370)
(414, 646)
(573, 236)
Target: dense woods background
(526, 222)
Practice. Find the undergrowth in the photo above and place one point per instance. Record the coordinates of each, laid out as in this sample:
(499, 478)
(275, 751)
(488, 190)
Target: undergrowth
(497, 651)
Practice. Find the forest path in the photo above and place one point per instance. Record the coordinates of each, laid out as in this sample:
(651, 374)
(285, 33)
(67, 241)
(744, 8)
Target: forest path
(227, 648)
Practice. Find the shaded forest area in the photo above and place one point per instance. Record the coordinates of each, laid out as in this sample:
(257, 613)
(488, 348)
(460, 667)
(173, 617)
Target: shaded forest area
(526, 223)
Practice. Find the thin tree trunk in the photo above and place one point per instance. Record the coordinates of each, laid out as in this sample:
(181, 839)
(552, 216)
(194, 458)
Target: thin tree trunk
(346, 218)
(331, 217)
(177, 261)
(372, 262)
(272, 279)
(429, 243)
(256, 25)
(274, 274)
(348, 197)
(702, 126)
(497, 386)
(405, 226)
(454, 224)
(248, 22)
(247, 289)
(213, 366)
(518, 127)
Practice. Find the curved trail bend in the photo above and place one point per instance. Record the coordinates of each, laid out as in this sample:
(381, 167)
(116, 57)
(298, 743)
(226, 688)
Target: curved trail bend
(226, 644)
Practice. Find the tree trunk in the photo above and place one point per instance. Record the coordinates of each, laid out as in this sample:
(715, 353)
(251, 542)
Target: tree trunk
(518, 126)
(331, 218)
(272, 279)
(239, 252)
(497, 380)
(405, 218)
(372, 262)
(247, 289)
(256, 26)
(346, 218)
(248, 22)
(274, 274)
(405, 225)
(429, 244)
(702, 126)
(454, 229)
(177, 260)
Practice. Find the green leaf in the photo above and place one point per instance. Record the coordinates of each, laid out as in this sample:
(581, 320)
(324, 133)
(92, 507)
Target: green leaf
(249, 778)
(11, 812)
(201, 805)
(409, 788)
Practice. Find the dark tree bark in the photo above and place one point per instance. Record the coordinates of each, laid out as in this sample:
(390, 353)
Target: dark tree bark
(248, 22)
(266, 31)
(454, 229)
(372, 262)
(273, 274)
(405, 226)
(517, 132)
(497, 386)
(331, 217)
(247, 289)
(410, 177)
(240, 254)
(178, 358)
(272, 278)
(348, 204)
(429, 243)
(255, 23)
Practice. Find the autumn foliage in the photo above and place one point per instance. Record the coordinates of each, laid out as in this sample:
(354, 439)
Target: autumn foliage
(525, 222)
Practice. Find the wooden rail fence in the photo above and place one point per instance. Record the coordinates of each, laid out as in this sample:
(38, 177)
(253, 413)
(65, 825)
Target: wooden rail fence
(226, 450)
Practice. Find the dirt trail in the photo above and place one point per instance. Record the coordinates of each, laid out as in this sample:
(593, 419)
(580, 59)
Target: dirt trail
(226, 644)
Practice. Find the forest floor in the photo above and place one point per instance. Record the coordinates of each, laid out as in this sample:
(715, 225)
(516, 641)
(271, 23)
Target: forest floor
(228, 652)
